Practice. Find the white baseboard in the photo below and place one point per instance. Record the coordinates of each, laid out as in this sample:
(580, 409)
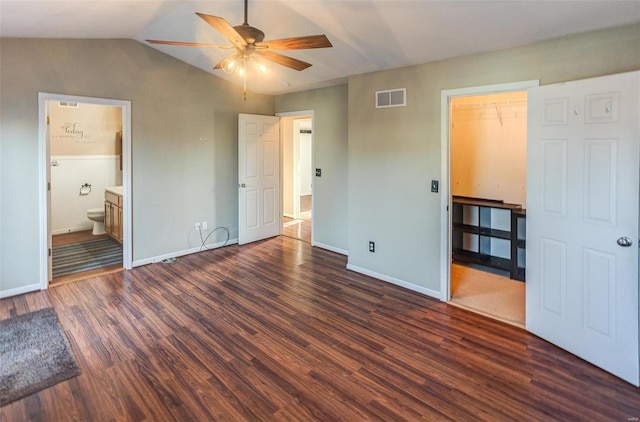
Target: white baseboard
(19, 290)
(159, 258)
(429, 292)
(71, 230)
(331, 248)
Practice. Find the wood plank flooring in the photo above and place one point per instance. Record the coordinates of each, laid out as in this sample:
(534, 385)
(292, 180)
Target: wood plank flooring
(277, 330)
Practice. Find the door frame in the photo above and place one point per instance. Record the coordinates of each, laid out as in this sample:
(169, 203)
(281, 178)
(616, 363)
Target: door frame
(44, 159)
(445, 163)
(300, 113)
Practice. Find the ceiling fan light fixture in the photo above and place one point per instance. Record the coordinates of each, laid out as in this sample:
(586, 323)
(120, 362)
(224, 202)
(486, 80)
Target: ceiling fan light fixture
(250, 47)
(230, 63)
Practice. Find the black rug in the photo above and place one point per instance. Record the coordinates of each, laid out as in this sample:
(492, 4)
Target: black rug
(85, 256)
(34, 354)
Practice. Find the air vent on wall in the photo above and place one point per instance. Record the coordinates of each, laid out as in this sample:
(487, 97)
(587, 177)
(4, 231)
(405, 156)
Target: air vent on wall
(68, 104)
(391, 98)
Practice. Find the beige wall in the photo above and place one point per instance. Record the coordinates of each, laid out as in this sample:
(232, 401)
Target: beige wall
(489, 147)
(88, 129)
(184, 142)
(395, 152)
(286, 134)
(377, 163)
(329, 154)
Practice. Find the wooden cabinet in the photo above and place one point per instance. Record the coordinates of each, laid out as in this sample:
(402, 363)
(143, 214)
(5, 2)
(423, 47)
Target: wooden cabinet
(113, 215)
(485, 232)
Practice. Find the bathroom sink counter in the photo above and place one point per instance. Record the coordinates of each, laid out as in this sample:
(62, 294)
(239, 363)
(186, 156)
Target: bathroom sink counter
(116, 190)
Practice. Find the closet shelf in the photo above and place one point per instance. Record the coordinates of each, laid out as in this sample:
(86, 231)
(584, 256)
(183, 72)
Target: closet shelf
(485, 232)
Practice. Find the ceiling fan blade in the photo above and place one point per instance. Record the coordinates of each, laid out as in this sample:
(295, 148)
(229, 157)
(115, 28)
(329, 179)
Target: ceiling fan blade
(224, 28)
(297, 43)
(284, 60)
(189, 44)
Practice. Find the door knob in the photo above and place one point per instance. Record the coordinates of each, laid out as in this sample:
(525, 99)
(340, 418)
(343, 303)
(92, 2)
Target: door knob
(242, 185)
(625, 242)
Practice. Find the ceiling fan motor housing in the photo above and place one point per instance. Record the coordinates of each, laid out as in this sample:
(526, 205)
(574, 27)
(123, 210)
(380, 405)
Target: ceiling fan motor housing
(250, 34)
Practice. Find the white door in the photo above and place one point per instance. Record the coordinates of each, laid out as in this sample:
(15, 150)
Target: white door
(48, 177)
(258, 177)
(582, 219)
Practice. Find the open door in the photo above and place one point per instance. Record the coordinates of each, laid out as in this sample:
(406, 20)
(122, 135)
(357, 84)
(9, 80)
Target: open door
(47, 124)
(582, 219)
(258, 177)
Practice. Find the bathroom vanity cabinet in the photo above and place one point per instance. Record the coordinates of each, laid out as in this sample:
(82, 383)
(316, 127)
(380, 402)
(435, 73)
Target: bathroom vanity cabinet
(113, 215)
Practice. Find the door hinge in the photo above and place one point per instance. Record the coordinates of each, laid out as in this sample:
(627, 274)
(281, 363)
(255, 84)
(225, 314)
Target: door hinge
(48, 186)
(49, 251)
(48, 120)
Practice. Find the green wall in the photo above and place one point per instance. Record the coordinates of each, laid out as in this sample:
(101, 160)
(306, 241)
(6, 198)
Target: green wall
(329, 154)
(184, 142)
(394, 153)
(377, 164)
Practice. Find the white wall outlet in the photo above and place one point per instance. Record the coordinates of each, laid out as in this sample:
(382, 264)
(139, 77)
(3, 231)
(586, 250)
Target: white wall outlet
(204, 225)
(197, 225)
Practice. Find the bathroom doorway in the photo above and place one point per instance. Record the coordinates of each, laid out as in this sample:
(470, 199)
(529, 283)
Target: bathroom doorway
(297, 176)
(87, 171)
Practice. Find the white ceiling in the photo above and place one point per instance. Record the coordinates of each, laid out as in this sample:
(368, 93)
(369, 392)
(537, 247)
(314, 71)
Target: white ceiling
(367, 35)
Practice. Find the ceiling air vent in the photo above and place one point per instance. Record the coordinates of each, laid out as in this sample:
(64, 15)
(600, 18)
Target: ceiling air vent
(391, 98)
(68, 104)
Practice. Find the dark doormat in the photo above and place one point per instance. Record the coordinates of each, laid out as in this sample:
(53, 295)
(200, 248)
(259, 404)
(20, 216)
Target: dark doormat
(85, 256)
(34, 354)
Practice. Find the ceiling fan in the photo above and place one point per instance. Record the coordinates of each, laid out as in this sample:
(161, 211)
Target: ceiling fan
(248, 43)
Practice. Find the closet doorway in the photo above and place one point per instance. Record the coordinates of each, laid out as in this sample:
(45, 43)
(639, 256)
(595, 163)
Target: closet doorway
(487, 179)
(297, 176)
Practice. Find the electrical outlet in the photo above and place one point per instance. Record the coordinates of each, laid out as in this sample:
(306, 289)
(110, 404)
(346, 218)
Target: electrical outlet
(197, 225)
(204, 225)
(372, 246)
(318, 172)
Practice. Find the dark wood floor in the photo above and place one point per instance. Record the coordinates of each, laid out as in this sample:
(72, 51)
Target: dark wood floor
(276, 330)
(75, 237)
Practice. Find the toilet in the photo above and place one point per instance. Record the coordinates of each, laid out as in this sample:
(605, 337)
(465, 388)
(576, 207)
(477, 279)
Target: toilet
(97, 216)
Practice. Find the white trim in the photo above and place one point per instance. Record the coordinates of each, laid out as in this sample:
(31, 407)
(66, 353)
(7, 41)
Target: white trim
(43, 98)
(72, 230)
(159, 258)
(396, 281)
(20, 290)
(445, 185)
(330, 248)
(301, 113)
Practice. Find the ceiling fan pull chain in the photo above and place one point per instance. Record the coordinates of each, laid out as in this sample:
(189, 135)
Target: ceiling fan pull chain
(244, 77)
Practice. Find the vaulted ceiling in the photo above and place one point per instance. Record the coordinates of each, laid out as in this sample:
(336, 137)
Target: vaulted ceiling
(367, 35)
